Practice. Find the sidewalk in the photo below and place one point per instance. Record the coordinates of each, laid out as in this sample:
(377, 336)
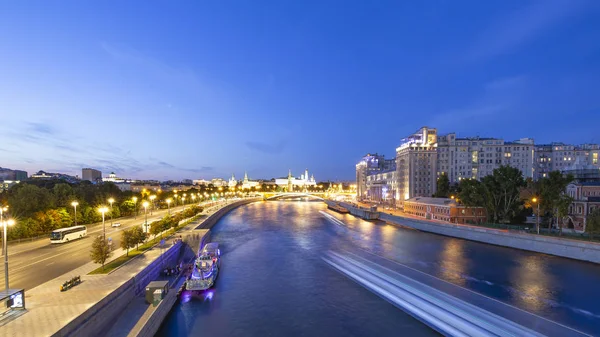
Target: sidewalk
(49, 309)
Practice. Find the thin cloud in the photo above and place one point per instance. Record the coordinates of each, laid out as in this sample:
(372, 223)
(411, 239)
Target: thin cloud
(267, 148)
(41, 128)
(499, 98)
(524, 25)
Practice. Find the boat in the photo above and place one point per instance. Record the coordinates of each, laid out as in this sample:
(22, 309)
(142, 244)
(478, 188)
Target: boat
(205, 269)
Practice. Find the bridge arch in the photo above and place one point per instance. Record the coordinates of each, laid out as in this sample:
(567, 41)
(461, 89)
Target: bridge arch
(286, 195)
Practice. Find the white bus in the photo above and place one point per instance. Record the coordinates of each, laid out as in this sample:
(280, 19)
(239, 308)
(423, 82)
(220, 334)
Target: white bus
(68, 234)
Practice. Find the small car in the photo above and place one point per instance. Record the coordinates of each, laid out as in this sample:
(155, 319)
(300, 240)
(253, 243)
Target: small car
(116, 224)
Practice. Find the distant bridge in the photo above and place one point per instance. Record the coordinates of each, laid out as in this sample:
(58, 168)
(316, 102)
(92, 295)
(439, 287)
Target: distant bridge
(291, 195)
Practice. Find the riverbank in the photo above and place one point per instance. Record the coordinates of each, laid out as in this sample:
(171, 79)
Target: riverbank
(141, 319)
(92, 307)
(573, 249)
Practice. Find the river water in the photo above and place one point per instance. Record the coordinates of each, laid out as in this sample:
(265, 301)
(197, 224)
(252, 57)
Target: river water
(273, 281)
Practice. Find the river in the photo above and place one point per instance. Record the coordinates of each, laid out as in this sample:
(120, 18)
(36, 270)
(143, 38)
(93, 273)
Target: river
(274, 282)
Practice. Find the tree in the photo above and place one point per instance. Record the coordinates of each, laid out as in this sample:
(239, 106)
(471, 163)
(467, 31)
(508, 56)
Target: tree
(156, 228)
(128, 240)
(443, 186)
(63, 194)
(29, 199)
(503, 191)
(100, 250)
(138, 236)
(592, 225)
(552, 189)
(472, 193)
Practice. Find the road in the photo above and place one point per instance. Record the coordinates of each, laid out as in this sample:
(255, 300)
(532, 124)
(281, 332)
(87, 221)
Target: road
(33, 263)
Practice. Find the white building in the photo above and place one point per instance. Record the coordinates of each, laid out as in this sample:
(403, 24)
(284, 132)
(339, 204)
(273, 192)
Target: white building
(291, 181)
(124, 186)
(112, 177)
(218, 182)
(200, 182)
(232, 181)
(248, 184)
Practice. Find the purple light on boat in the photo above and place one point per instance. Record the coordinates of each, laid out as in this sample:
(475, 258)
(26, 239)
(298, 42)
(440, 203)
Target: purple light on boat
(209, 295)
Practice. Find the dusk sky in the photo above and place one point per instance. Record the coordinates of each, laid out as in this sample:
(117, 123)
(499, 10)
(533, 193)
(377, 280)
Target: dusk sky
(204, 89)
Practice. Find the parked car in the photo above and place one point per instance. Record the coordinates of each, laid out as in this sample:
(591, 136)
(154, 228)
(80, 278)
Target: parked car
(116, 224)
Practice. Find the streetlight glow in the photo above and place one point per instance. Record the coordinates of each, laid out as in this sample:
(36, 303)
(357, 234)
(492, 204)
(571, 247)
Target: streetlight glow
(103, 210)
(75, 204)
(110, 201)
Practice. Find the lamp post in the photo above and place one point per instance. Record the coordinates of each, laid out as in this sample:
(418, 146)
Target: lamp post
(74, 204)
(103, 210)
(110, 201)
(537, 218)
(193, 198)
(183, 202)
(135, 202)
(5, 224)
(169, 205)
(145, 204)
(152, 197)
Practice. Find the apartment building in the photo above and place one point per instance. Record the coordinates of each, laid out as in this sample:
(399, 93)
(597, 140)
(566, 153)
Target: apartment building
(561, 157)
(416, 165)
(369, 164)
(475, 157)
(91, 174)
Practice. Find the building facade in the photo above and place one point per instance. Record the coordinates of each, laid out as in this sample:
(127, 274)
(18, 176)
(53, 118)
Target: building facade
(248, 184)
(5, 185)
(475, 158)
(586, 197)
(112, 177)
(560, 157)
(444, 209)
(8, 174)
(303, 181)
(416, 165)
(91, 174)
(369, 165)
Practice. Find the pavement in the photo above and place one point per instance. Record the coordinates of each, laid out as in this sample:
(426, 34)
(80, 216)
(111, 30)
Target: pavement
(33, 263)
(49, 309)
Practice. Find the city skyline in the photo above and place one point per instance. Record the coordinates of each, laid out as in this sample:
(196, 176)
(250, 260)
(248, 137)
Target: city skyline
(261, 89)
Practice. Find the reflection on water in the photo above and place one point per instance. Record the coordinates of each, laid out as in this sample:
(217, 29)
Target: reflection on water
(453, 262)
(533, 283)
(273, 281)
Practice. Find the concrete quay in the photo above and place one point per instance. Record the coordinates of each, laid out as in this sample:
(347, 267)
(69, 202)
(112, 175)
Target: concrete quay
(140, 319)
(573, 249)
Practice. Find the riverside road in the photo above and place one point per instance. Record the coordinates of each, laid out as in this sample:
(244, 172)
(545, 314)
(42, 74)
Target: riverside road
(276, 281)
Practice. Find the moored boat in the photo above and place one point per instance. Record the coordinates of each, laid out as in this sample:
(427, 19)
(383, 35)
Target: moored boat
(205, 269)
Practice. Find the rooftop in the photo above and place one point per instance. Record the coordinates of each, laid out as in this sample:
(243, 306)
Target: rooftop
(433, 201)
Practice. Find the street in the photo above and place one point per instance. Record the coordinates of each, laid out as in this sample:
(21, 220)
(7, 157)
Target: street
(33, 263)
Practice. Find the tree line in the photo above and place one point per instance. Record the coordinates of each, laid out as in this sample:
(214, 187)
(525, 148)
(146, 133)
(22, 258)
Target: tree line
(509, 198)
(134, 236)
(42, 206)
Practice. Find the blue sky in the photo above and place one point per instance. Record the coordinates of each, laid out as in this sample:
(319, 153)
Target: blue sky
(204, 89)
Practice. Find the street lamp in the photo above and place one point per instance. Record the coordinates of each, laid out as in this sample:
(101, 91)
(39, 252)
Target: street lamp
(110, 201)
(193, 198)
(169, 205)
(537, 218)
(183, 202)
(135, 202)
(103, 210)
(145, 204)
(152, 197)
(74, 204)
(5, 224)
